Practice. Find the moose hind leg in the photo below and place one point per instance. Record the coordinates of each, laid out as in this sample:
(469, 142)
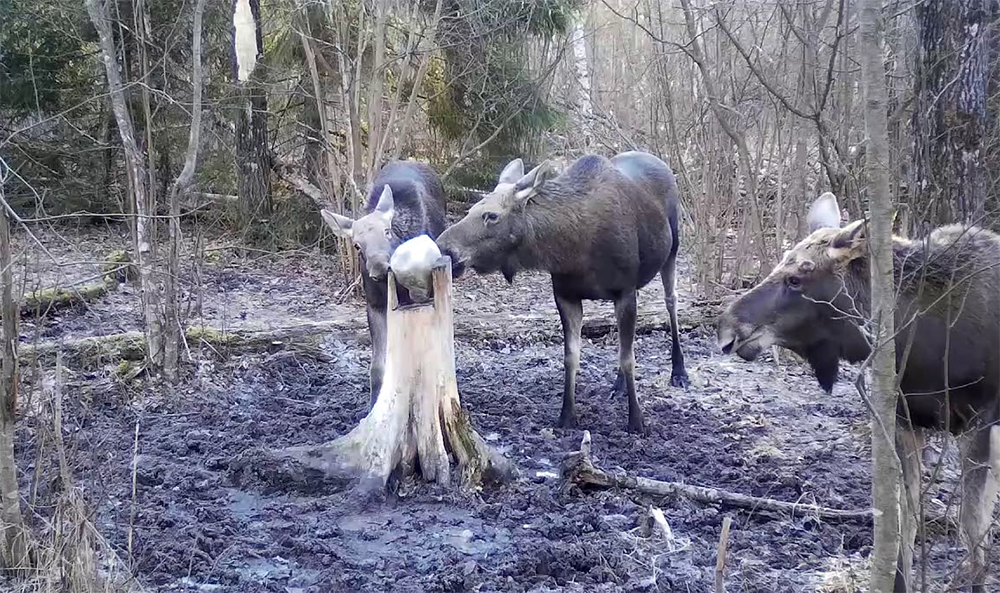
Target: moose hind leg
(571, 315)
(678, 374)
(980, 469)
(377, 332)
(625, 311)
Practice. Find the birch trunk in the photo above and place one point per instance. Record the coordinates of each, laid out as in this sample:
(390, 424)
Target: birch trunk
(585, 110)
(885, 466)
(418, 417)
(253, 157)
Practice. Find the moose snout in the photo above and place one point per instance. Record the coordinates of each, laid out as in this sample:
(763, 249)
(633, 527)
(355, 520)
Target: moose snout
(457, 261)
(726, 336)
(378, 268)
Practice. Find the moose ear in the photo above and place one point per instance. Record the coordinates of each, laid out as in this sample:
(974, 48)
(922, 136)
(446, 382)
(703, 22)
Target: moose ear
(824, 213)
(851, 241)
(528, 185)
(512, 172)
(385, 203)
(340, 225)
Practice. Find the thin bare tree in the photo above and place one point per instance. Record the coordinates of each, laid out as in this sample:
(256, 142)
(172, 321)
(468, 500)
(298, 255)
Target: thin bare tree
(885, 464)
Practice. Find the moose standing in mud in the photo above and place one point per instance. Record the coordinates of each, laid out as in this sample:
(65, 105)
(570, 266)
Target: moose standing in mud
(815, 303)
(602, 229)
(406, 200)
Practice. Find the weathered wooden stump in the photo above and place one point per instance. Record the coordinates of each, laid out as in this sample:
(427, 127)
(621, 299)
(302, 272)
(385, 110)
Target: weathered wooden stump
(417, 422)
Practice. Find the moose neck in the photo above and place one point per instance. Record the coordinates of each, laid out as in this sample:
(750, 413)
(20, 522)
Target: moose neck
(556, 231)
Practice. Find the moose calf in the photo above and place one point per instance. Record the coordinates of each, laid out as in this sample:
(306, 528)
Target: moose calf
(406, 199)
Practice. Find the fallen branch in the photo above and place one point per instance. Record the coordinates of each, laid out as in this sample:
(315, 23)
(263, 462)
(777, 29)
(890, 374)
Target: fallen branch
(579, 470)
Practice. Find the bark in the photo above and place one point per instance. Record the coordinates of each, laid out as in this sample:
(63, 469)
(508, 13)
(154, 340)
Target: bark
(375, 92)
(178, 192)
(253, 157)
(136, 168)
(885, 465)
(578, 470)
(585, 110)
(949, 122)
(417, 418)
(15, 548)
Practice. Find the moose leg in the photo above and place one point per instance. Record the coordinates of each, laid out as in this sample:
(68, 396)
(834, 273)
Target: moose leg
(377, 332)
(980, 467)
(678, 374)
(571, 315)
(909, 447)
(625, 311)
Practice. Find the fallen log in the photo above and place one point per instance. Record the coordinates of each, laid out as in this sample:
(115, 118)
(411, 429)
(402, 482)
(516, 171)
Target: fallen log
(130, 345)
(116, 270)
(579, 470)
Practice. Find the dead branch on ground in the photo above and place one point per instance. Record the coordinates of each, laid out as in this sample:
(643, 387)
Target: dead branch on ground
(579, 470)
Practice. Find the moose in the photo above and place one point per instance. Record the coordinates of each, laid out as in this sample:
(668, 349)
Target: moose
(406, 199)
(947, 316)
(602, 229)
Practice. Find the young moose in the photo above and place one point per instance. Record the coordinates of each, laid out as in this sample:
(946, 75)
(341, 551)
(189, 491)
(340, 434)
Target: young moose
(602, 229)
(948, 322)
(406, 200)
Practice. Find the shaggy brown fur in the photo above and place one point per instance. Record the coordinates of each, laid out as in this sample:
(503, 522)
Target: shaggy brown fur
(816, 300)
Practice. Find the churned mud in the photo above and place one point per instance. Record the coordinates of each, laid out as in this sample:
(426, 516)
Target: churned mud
(754, 428)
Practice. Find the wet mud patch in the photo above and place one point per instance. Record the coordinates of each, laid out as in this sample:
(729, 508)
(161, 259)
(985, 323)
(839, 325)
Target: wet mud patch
(753, 429)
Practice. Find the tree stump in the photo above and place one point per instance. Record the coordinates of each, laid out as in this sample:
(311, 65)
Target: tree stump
(417, 422)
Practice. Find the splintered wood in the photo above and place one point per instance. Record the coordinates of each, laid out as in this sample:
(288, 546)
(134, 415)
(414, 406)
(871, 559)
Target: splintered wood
(417, 420)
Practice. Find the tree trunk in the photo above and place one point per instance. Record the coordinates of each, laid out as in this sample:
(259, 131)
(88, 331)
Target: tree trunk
(417, 418)
(949, 121)
(585, 110)
(885, 466)
(253, 157)
(178, 191)
(14, 549)
(135, 164)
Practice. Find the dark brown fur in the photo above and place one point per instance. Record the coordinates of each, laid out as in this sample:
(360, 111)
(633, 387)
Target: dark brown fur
(602, 229)
(947, 343)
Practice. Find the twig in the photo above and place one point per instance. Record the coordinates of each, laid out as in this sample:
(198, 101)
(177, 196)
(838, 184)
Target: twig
(720, 560)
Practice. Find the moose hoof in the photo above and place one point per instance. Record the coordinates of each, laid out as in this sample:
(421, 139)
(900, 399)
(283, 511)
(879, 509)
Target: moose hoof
(637, 426)
(679, 380)
(567, 420)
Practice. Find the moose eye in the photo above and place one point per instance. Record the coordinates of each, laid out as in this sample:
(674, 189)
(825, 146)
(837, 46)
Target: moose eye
(794, 282)
(490, 217)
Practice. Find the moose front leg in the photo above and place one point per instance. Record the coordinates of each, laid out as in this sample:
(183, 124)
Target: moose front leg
(377, 332)
(571, 315)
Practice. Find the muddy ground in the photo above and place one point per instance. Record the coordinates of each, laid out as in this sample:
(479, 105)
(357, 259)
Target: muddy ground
(753, 428)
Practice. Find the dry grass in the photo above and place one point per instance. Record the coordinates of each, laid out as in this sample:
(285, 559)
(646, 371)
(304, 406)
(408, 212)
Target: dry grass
(844, 574)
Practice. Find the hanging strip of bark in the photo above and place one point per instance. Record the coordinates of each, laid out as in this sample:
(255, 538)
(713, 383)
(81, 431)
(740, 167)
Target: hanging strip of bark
(578, 470)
